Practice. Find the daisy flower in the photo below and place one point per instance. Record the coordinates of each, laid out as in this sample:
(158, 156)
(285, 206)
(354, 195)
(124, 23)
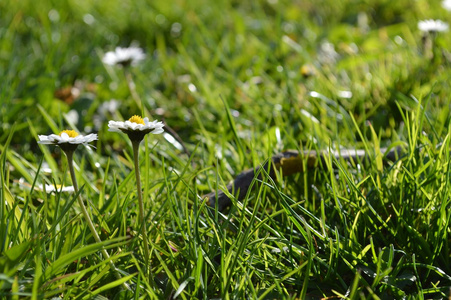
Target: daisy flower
(136, 127)
(432, 26)
(67, 139)
(124, 56)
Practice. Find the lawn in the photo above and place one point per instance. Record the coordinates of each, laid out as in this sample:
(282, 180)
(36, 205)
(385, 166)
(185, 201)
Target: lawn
(235, 83)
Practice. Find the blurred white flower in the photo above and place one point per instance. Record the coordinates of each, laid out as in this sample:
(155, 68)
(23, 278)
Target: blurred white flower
(433, 26)
(327, 53)
(104, 111)
(108, 107)
(446, 4)
(51, 188)
(124, 56)
(67, 137)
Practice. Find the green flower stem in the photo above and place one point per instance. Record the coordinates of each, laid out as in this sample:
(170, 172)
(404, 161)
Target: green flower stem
(70, 161)
(142, 222)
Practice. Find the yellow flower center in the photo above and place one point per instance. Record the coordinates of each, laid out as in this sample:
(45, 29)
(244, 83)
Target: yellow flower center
(137, 119)
(70, 133)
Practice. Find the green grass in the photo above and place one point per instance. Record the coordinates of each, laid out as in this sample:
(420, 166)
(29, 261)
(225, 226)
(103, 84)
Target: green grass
(228, 77)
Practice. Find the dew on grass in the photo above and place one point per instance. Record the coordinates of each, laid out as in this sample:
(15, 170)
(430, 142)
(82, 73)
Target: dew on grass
(192, 88)
(160, 19)
(288, 27)
(56, 37)
(176, 29)
(113, 86)
(345, 94)
(89, 19)
(159, 111)
(54, 16)
(399, 40)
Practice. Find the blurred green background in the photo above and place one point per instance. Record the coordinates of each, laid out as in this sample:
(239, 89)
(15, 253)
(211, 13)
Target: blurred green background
(263, 58)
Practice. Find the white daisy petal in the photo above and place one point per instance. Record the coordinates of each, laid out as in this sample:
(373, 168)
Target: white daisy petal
(43, 139)
(157, 131)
